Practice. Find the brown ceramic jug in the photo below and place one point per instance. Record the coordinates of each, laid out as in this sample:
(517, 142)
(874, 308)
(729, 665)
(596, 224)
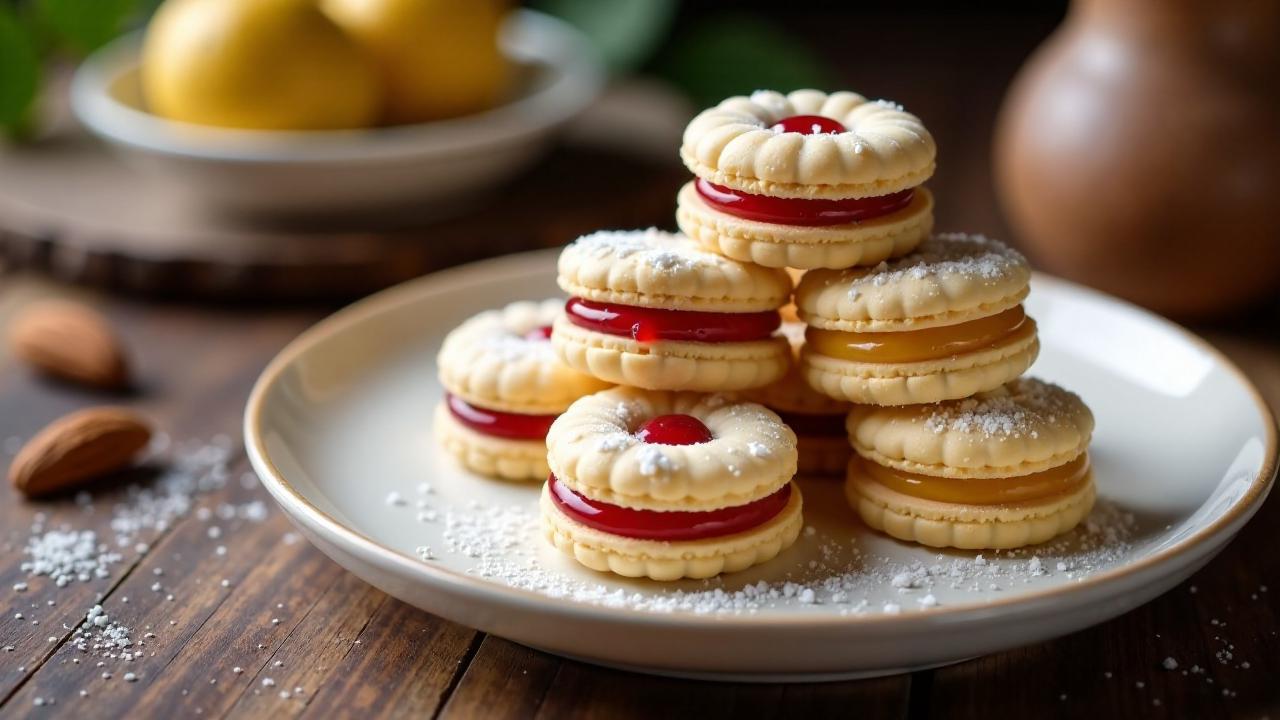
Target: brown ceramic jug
(1138, 151)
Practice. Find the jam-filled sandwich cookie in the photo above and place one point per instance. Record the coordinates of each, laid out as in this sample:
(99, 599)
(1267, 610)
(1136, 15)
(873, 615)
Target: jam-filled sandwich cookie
(942, 323)
(1004, 469)
(670, 485)
(807, 180)
(817, 420)
(504, 386)
(651, 309)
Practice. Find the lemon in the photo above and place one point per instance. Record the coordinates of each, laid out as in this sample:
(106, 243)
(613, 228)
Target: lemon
(438, 58)
(260, 64)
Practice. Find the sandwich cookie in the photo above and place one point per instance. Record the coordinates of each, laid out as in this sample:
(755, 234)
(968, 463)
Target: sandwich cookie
(1004, 469)
(504, 385)
(670, 485)
(817, 420)
(807, 180)
(652, 310)
(942, 323)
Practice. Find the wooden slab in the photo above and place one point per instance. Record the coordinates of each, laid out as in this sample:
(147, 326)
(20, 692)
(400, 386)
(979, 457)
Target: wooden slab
(70, 208)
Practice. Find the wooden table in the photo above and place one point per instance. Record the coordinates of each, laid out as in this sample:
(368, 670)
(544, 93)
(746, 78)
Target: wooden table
(290, 614)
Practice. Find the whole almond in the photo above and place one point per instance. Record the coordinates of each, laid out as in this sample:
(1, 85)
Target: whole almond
(78, 448)
(70, 341)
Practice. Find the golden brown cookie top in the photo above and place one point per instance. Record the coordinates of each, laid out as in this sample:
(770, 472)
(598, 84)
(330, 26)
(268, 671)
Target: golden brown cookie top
(949, 279)
(1026, 426)
(883, 150)
(652, 268)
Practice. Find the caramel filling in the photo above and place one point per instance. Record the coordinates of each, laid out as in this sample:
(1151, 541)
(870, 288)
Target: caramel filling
(927, 344)
(1061, 480)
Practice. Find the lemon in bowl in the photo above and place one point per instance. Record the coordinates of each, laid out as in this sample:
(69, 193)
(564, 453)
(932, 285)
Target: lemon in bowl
(436, 58)
(257, 64)
(435, 167)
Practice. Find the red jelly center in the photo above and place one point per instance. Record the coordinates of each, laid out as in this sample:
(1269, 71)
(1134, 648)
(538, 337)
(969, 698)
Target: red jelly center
(652, 324)
(792, 211)
(809, 125)
(674, 430)
(539, 333)
(513, 426)
(672, 526)
(810, 425)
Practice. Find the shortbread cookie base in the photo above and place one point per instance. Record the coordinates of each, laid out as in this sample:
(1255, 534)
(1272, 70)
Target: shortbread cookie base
(884, 150)
(949, 279)
(487, 362)
(916, 383)
(670, 365)
(1026, 426)
(491, 456)
(822, 455)
(668, 271)
(593, 449)
(666, 561)
(794, 246)
(968, 527)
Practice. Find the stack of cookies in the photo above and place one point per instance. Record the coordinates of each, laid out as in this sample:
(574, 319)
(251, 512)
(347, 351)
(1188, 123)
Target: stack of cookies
(895, 359)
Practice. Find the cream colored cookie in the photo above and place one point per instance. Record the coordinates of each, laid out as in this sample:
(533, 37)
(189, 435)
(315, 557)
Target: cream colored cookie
(671, 365)
(969, 527)
(791, 393)
(655, 269)
(1024, 427)
(592, 448)
(661, 560)
(928, 381)
(490, 455)
(488, 361)
(949, 279)
(884, 150)
(819, 454)
(777, 245)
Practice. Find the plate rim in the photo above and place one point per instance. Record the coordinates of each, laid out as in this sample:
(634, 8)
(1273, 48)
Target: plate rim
(1210, 537)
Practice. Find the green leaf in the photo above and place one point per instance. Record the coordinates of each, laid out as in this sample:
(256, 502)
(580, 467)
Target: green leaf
(83, 26)
(19, 71)
(626, 32)
(736, 54)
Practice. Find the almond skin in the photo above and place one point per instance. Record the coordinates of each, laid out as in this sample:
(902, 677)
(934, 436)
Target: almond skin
(77, 449)
(70, 341)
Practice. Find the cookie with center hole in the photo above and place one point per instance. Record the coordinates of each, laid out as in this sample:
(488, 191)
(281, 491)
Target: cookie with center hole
(670, 485)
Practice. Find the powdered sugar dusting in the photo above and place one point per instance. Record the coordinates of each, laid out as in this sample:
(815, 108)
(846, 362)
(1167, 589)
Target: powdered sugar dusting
(665, 252)
(653, 461)
(1014, 411)
(975, 257)
(847, 578)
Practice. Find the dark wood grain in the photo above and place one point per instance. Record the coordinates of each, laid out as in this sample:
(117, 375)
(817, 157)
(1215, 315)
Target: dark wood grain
(71, 209)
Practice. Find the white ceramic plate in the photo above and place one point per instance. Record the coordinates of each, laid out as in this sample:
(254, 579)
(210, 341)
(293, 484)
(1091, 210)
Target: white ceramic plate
(283, 172)
(339, 429)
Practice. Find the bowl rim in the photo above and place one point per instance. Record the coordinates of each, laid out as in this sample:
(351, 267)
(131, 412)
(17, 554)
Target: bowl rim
(1206, 539)
(575, 67)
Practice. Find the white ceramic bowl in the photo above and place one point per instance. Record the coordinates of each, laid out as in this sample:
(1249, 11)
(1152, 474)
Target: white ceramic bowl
(1184, 453)
(284, 172)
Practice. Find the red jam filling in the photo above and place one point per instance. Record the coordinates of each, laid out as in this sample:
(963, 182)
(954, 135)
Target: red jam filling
(513, 426)
(653, 324)
(793, 211)
(539, 333)
(671, 526)
(809, 125)
(674, 430)
(808, 425)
